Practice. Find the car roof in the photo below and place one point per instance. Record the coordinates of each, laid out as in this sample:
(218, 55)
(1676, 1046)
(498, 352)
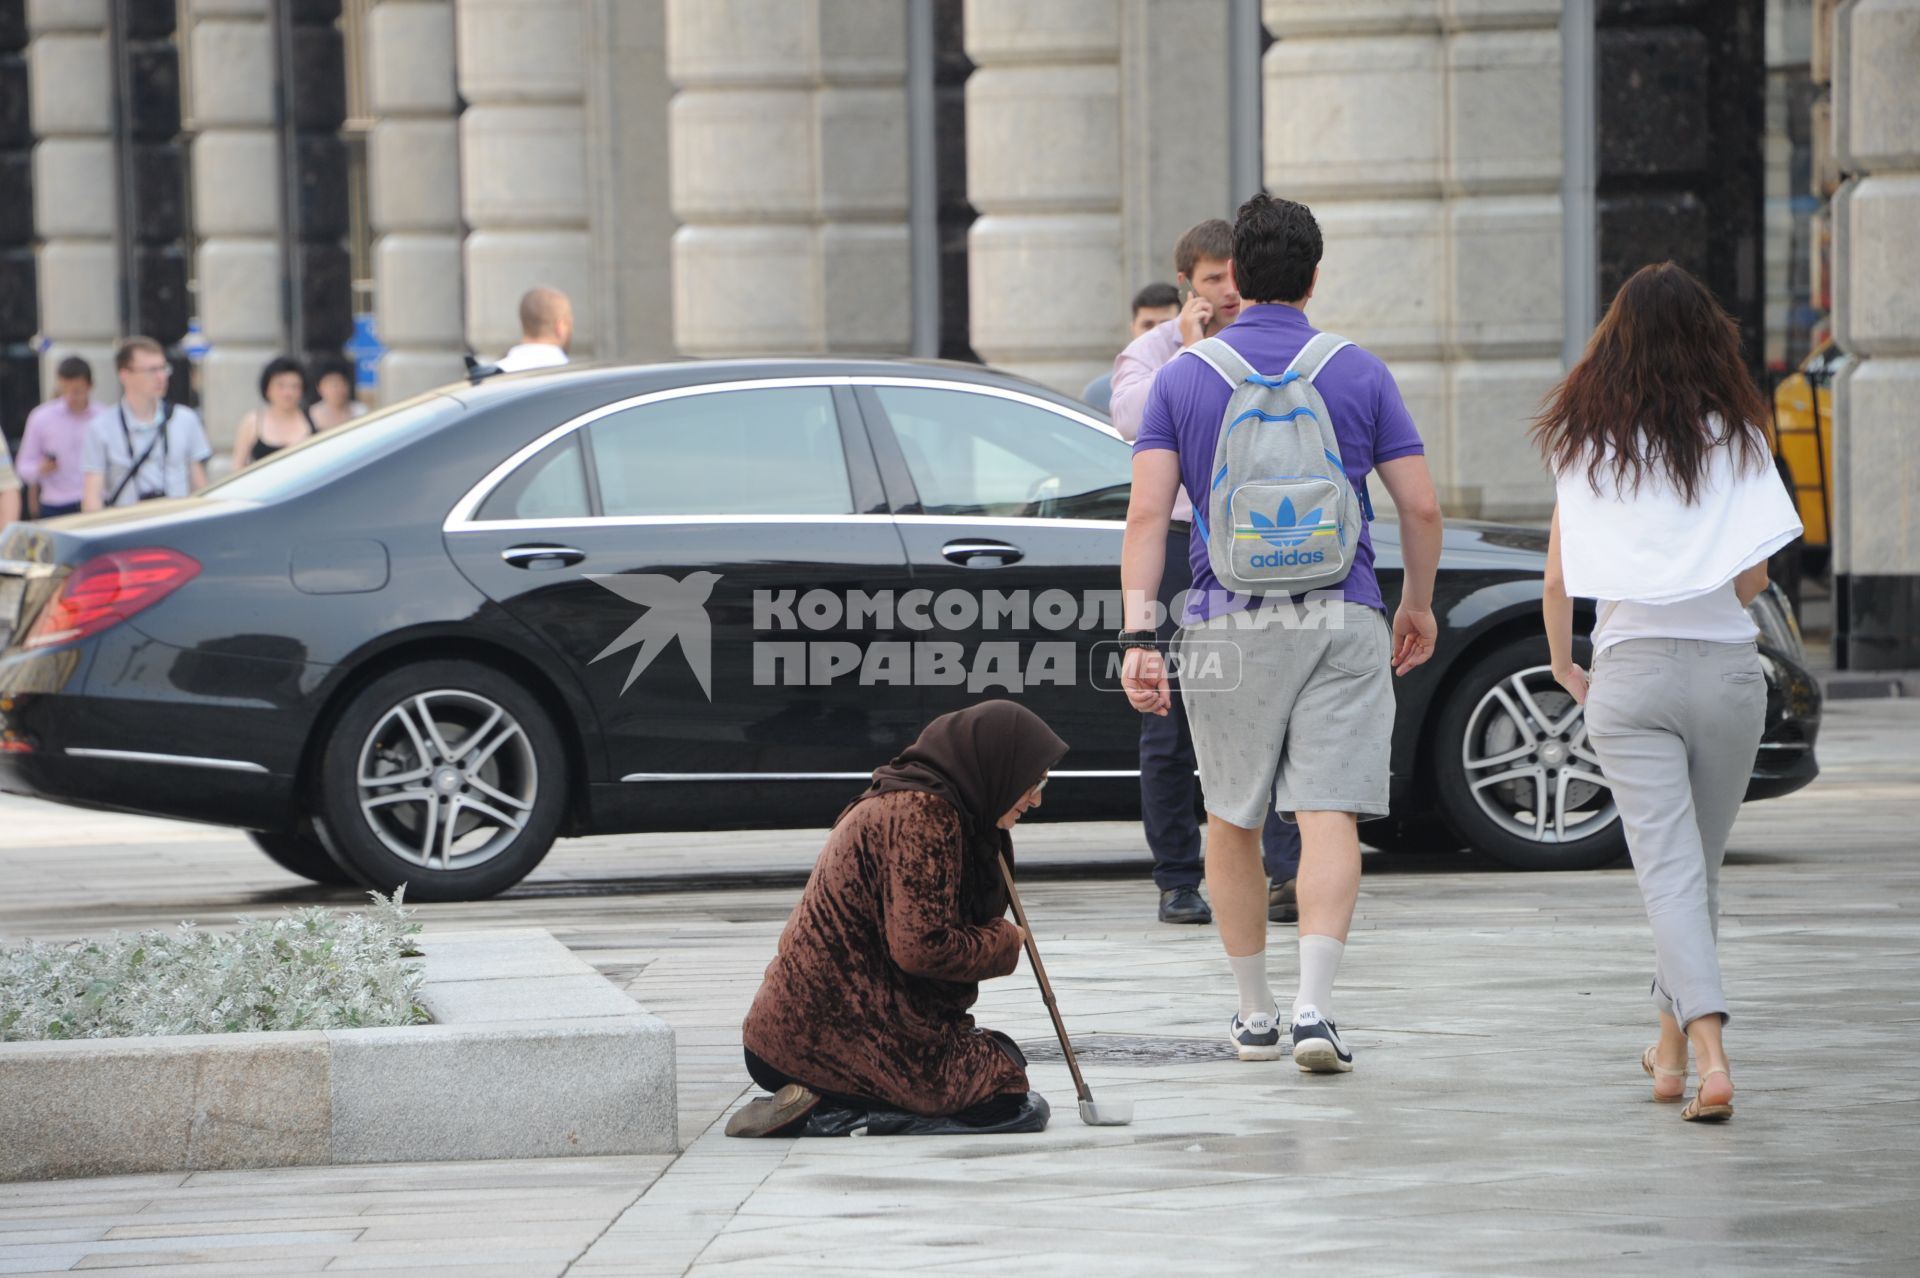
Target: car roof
(619, 380)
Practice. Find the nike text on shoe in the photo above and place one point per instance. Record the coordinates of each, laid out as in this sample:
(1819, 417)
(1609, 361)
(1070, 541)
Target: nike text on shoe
(1317, 1048)
(1257, 1038)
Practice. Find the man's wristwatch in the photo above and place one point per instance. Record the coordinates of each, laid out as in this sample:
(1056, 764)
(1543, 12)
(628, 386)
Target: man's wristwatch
(1140, 639)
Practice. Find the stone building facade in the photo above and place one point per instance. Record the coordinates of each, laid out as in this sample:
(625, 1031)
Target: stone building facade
(723, 177)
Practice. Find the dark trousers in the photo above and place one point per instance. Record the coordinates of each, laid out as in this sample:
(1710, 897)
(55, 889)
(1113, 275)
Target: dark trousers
(55, 510)
(1169, 790)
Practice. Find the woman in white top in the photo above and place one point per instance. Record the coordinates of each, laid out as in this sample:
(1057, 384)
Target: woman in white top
(1666, 515)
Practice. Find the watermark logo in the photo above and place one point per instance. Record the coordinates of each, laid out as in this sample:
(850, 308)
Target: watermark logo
(984, 641)
(674, 610)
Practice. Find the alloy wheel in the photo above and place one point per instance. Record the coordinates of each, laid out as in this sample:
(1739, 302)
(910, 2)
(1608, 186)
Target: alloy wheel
(1529, 764)
(447, 779)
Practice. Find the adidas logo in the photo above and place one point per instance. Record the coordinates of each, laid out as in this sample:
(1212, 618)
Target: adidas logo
(1285, 531)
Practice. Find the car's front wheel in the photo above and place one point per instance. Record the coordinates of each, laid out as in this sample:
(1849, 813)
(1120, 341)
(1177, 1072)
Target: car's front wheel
(300, 853)
(1515, 774)
(447, 776)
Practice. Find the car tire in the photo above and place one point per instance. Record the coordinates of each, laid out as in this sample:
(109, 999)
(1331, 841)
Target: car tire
(1486, 709)
(446, 776)
(1417, 835)
(301, 853)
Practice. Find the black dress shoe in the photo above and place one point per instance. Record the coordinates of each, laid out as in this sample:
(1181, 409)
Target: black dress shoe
(1282, 905)
(1184, 905)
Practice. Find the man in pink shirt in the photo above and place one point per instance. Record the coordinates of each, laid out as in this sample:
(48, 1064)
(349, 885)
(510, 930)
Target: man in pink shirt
(56, 437)
(1204, 260)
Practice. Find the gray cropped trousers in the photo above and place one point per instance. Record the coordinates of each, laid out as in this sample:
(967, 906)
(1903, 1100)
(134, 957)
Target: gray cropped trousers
(1676, 724)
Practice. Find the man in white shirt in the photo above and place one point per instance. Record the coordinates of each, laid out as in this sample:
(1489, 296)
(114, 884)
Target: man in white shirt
(143, 447)
(546, 330)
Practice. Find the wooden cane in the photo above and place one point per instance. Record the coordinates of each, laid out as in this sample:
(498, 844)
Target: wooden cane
(1046, 988)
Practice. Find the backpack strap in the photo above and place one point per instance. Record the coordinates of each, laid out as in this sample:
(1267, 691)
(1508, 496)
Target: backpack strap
(1314, 355)
(1223, 359)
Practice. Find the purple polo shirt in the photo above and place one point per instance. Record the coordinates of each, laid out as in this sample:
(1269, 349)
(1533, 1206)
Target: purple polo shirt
(1189, 400)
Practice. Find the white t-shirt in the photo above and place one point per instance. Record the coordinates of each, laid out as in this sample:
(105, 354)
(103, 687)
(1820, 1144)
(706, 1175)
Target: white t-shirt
(529, 355)
(1715, 616)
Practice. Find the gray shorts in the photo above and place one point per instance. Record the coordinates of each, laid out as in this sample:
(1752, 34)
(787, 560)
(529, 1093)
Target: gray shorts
(1307, 724)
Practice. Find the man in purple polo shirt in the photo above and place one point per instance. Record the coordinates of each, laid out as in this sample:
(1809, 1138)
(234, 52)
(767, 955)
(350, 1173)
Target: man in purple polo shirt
(1308, 724)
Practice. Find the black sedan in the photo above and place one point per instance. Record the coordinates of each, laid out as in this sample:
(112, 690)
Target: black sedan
(420, 647)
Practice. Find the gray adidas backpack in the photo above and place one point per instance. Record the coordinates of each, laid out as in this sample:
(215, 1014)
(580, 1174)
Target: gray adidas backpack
(1281, 516)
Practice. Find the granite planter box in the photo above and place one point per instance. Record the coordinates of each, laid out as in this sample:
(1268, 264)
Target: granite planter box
(531, 1054)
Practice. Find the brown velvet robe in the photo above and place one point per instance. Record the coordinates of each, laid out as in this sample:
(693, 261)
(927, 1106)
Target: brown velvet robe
(869, 992)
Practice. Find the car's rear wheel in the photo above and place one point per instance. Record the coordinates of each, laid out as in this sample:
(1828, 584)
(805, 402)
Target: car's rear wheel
(1516, 775)
(301, 854)
(447, 776)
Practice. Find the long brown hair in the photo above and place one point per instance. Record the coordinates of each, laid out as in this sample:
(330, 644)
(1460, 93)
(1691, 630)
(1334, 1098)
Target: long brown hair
(1664, 359)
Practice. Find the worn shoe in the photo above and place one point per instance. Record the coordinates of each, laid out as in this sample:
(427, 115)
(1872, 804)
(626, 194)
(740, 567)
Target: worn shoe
(1317, 1048)
(1184, 905)
(782, 1114)
(1258, 1037)
(1282, 905)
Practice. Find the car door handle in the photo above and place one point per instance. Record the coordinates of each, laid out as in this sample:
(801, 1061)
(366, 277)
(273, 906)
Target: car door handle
(976, 553)
(541, 558)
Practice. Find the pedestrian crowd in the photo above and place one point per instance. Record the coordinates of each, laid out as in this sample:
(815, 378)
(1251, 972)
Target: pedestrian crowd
(77, 453)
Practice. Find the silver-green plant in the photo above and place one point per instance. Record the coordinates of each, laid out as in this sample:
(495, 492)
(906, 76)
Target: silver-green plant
(311, 969)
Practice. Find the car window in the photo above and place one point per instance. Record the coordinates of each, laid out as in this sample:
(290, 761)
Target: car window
(740, 452)
(349, 446)
(973, 454)
(551, 485)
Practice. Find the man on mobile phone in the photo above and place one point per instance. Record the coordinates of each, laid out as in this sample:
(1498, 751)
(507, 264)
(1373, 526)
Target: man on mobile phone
(1169, 794)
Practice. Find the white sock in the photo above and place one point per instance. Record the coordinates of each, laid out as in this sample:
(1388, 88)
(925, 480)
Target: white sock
(1250, 974)
(1319, 960)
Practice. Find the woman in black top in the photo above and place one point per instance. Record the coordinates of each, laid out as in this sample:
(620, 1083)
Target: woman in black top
(282, 421)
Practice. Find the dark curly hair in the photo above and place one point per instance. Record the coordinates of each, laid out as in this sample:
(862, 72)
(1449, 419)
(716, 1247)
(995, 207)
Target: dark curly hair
(1276, 249)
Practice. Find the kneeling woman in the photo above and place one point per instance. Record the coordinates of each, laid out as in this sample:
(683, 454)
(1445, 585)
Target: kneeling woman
(862, 1022)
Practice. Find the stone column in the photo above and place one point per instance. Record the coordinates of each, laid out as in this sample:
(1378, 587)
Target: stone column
(237, 205)
(1426, 137)
(628, 101)
(525, 192)
(413, 181)
(1044, 169)
(1505, 287)
(789, 172)
(1876, 217)
(1173, 145)
(75, 187)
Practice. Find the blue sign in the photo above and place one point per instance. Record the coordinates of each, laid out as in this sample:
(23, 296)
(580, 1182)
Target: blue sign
(366, 348)
(195, 344)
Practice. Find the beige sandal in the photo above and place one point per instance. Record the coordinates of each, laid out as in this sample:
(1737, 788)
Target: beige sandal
(1697, 1111)
(1658, 1072)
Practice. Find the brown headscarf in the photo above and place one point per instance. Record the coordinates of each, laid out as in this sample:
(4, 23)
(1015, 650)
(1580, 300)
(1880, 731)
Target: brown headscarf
(981, 760)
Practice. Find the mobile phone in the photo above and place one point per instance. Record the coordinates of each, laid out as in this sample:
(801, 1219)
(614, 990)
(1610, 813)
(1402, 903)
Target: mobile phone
(1186, 291)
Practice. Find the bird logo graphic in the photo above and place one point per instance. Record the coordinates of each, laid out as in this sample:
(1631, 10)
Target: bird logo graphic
(1284, 530)
(674, 610)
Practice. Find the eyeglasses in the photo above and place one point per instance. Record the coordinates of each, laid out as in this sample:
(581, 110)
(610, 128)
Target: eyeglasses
(1043, 784)
(151, 369)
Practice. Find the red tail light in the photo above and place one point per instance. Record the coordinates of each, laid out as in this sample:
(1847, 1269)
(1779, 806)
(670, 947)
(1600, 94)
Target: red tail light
(106, 590)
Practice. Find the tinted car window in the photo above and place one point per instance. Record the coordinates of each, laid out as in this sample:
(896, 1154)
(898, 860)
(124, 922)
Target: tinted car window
(552, 485)
(982, 455)
(314, 461)
(742, 452)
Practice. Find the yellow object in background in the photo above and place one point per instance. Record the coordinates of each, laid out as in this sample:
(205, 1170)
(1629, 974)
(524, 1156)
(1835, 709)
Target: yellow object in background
(1803, 417)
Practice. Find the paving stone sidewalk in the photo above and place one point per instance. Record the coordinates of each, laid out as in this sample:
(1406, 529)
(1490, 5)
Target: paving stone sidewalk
(1497, 1122)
